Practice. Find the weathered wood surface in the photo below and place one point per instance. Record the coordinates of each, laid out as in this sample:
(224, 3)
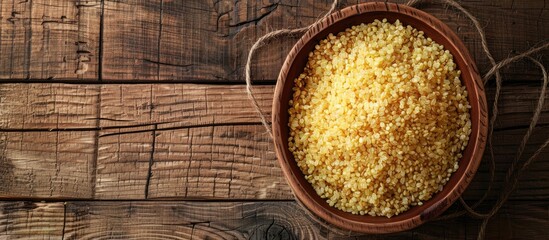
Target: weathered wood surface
(44, 39)
(103, 137)
(183, 141)
(207, 41)
(233, 220)
(78, 107)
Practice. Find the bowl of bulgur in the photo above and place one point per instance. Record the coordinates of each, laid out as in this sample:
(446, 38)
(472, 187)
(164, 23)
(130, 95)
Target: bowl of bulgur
(379, 118)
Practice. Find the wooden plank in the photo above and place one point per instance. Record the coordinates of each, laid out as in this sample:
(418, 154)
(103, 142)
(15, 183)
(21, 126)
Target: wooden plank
(134, 25)
(190, 220)
(46, 164)
(508, 224)
(48, 106)
(228, 162)
(234, 220)
(75, 106)
(238, 162)
(532, 182)
(174, 105)
(31, 220)
(209, 41)
(206, 138)
(225, 154)
(45, 39)
(122, 166)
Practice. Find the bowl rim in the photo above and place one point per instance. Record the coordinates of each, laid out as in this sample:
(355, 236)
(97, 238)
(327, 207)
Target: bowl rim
(478, 143)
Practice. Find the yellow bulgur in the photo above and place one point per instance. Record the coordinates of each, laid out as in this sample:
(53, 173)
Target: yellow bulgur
(379, 118)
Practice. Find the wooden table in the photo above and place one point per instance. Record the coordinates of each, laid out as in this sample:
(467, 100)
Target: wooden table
(128, 119)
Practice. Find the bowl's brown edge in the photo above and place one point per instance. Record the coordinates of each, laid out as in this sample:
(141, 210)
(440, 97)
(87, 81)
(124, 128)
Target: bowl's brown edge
(479, 135)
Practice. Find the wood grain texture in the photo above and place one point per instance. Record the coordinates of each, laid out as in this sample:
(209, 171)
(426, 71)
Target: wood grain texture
(175, 105)
(206, 135)
(199, 148)
(99, 141)
(48, 106)
(233, 220)
(229, 162)
(31, 220)
(75, 107)
(208, 40)
(44, 39)
(46, 164)
(226, 162)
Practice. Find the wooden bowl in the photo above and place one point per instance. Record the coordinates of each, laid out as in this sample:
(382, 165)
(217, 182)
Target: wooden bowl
(293, 66)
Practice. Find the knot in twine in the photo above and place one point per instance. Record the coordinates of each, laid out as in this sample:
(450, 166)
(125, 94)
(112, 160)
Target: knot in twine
(516, 168)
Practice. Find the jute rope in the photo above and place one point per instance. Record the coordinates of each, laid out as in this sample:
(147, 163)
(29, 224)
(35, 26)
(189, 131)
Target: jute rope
(261, 42)
(516, 168)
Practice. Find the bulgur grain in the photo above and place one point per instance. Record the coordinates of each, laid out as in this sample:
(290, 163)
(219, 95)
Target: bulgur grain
(378, 118)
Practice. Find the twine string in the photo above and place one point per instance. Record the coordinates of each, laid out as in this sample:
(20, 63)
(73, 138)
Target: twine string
(261, 42)
(514, 172)
(484, 44)
(535, 118)
(469, 209)
(516, 168)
